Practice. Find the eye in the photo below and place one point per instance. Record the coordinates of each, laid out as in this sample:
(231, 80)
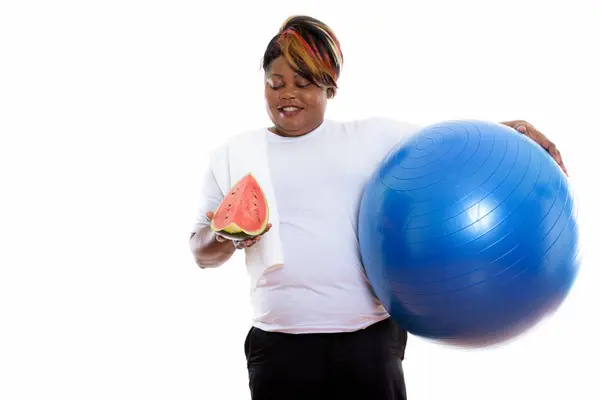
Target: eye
(276, 85)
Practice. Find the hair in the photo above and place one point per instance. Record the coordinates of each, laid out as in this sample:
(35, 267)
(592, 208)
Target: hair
(311, 48)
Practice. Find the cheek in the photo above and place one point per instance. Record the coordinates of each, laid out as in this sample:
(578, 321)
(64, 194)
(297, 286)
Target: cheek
(315, 99)
(270, 99)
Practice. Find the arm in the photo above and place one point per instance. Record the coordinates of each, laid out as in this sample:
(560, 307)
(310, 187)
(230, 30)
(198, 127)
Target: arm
(397, 131)
(529, 130)
(207, 250)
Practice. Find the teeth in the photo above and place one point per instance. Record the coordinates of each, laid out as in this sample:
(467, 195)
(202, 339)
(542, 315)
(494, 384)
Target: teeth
(290, 109)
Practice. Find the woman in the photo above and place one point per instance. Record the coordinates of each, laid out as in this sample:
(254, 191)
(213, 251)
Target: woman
(318, 331)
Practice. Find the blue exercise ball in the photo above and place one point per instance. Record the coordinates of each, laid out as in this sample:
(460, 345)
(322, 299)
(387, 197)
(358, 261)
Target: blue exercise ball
(468, 233)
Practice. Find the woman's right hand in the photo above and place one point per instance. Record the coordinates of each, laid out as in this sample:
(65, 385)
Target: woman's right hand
(239, 244)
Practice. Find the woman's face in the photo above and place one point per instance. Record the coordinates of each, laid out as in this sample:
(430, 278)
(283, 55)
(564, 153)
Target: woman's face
(295, 105)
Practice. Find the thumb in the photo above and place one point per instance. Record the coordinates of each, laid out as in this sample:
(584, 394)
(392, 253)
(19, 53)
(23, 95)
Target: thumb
(210, 215)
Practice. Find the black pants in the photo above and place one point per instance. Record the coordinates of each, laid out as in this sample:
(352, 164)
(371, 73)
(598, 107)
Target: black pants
(366, 364)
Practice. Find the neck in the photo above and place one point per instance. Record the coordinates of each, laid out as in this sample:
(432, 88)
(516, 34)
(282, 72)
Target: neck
(301, 132)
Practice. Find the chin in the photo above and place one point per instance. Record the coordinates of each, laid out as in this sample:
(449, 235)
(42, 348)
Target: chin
(292, 127)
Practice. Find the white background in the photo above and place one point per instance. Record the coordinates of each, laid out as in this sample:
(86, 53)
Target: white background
(107, 110)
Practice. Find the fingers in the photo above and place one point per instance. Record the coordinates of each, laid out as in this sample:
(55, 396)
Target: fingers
(555, 153)
(543, 141)
(550, 147)
(239, 244)
(242, 244)
(209, 216)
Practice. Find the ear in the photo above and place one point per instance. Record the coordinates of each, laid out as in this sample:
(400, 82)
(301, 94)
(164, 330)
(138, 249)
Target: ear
(330, 93)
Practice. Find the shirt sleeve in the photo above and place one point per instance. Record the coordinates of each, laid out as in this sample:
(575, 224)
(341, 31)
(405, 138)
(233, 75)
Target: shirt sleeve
(211, 194)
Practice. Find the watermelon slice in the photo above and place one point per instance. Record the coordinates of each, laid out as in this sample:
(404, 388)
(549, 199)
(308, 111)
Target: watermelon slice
(243, 213)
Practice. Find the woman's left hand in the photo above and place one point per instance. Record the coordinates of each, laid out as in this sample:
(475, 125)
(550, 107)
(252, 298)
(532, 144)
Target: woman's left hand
(527, 129)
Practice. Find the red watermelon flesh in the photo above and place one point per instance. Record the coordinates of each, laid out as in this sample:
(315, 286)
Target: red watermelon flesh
(244, 212)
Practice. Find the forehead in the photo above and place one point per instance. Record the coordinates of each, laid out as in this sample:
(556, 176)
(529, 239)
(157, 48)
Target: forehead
(281, 68)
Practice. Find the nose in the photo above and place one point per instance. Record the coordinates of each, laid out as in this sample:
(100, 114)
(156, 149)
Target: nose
(288, 92)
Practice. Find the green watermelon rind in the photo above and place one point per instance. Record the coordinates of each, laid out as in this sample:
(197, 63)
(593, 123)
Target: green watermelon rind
(235, 236)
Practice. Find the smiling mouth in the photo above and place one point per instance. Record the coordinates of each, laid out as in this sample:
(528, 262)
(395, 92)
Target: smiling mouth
(289, 109)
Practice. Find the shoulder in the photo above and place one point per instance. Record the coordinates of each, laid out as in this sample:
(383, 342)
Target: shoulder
(385, 126)
(377, 132)
(375, 125)
(219, 154)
